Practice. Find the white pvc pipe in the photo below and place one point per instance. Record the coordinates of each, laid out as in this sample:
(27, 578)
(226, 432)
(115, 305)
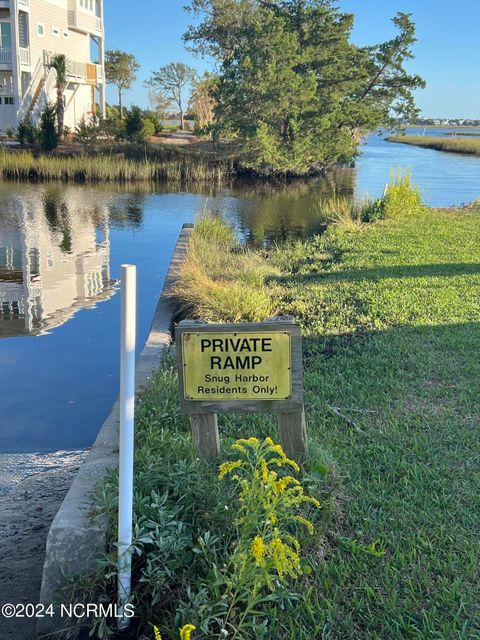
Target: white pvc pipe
(127, 410)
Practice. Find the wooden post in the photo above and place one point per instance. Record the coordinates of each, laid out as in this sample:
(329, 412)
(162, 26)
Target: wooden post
(293, 434)
(205, 435)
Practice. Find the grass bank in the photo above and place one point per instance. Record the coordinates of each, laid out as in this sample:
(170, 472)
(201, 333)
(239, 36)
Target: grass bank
(452, 144)
(391, 316)
(141, 166)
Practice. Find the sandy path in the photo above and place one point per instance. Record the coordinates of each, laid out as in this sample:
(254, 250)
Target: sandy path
(25, 516)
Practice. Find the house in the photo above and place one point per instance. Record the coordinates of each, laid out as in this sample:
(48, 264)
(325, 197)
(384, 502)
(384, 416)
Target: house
(54, 261)
(31, 32)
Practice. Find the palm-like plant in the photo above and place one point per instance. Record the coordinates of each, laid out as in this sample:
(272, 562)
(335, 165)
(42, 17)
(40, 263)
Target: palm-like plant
(59, 63)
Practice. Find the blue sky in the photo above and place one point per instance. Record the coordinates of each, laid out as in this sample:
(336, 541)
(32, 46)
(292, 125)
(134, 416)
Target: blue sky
(447, 51)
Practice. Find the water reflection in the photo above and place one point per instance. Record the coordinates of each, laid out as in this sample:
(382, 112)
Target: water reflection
(53, 261)
(266, 212)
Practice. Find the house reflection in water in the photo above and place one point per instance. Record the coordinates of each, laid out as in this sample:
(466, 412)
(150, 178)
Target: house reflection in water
(54, 260)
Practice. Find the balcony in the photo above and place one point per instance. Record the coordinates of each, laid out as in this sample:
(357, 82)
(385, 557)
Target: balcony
(84, 73)
(5, 56)
(25, 56)
(82, 21)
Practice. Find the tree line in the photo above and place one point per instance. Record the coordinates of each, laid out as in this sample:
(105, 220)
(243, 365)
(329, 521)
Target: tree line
(288, 82)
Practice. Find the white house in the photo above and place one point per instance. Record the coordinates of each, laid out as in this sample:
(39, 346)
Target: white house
(31, 32)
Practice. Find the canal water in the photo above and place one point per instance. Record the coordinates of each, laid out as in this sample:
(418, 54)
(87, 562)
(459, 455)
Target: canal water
(61, 248)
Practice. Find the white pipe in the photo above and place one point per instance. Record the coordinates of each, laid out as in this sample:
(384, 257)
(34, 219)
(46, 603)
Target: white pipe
(127, 410)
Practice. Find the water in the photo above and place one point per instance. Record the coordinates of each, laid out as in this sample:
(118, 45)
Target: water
(61, 248)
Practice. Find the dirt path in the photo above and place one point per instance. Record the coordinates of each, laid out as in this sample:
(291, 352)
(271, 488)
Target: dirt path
(25, 517)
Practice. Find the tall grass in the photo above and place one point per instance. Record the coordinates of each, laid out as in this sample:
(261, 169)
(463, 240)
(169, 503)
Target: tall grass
(24, 166)
(400, 198)
(453, 144)
(220, 279)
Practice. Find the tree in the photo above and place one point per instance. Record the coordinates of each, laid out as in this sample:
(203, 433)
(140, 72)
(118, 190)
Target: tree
(59, 63)
(134, 125)
(121, 70)
(159, 103)
(48, 131)
(202, 102)
(293, 87)
(173, 81)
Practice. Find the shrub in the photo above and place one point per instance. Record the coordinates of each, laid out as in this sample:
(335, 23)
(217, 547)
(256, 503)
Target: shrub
(26, 132)
(134, 125)
(401, 197)
(148, 128)
(87, 132)
(48, 130)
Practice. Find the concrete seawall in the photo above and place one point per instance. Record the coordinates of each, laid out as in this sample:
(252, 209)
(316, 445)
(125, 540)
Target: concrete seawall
(74, 542)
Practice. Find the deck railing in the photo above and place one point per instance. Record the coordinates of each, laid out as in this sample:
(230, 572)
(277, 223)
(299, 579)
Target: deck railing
(24, 55)
(5, 56)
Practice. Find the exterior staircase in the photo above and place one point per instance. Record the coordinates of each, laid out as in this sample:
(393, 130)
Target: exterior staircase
(38, 93)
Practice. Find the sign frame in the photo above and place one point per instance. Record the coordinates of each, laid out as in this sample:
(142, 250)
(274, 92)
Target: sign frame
(283, 324)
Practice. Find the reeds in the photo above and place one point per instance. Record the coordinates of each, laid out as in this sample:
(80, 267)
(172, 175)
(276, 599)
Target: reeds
(220, 279)
(24, 166)
(452, 144)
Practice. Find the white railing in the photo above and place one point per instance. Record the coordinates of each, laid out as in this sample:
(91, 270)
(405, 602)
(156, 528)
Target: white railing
(23, 2)
(5, 56)
(98, 24)
(24, 55)
(76, 70)
(30, 94)
(99, 72)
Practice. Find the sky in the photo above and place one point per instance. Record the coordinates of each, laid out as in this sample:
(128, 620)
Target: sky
(447, 54)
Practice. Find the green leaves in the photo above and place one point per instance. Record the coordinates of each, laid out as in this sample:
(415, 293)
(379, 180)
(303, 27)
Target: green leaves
(292, 87)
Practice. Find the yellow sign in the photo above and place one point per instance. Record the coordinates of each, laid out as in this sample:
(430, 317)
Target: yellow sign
(237, 366)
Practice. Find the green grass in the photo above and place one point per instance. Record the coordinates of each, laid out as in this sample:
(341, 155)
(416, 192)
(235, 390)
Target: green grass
(142, 165)
(452, 144)
(391, 320)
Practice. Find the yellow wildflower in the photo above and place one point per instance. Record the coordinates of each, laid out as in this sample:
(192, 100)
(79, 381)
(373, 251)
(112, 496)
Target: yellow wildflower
(251, 442)
(285, 559)
(272, 517)
(264, 470)
(305, 522)
(157, 633)
(282, 484)
(186, 631)
(258, 550)
(227, 467)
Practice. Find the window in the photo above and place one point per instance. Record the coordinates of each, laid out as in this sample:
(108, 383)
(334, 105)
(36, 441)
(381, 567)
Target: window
(40, 29)
(5, 35)
(66, 34)
(55, 32)
(9, 100)
(1, 99)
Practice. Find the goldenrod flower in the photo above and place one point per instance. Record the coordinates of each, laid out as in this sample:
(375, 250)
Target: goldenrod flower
(305, 522)
(186, 631)
(282, 484)
(157, 633)
(264, 470)
(258, 550)
(227, 467)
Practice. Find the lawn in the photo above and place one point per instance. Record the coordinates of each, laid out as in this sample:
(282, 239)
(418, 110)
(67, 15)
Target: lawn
(395, 401)
(390, 312)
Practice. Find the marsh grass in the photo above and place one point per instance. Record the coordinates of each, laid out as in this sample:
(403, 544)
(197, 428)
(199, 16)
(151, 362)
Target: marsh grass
(401, 198)
(222, 279)
(452, 144)
(173, 168)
